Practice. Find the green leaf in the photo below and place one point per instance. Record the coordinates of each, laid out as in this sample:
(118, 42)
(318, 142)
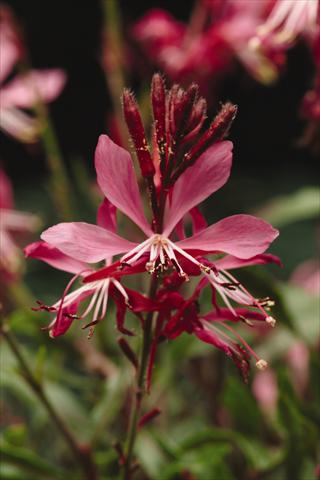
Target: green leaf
(27, 460)
(242, 406)
(286, 209)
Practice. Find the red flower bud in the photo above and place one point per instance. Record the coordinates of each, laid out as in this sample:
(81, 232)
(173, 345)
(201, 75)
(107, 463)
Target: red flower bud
(137, 133)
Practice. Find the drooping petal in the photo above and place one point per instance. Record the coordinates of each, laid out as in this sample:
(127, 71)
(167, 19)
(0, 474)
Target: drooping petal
(25, 90)
(140, 303)
(117, 180)
(51, 255)
(86, 242)
(226, 314)
(233, 350)
(243, 236)
(207, 175)
(106, 216)
(229, 261)
(67, 315)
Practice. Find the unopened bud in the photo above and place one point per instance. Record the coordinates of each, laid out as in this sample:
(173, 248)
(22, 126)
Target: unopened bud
(158, 99)
(137, 133)
(149, 416)
(127, 350)
(218, 129)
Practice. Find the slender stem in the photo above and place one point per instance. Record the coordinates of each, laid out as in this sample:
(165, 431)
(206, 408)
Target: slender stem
(113, 62)
(140, 385)
(81, 453)
(59, 180)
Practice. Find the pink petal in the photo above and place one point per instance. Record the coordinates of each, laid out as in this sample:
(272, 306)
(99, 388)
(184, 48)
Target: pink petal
(229, 262)
(198, 221)
(51, 255)
(243, 236)
(9, 46)
(19, 124)
(86, 242)
(207, 175)
(117, 180)
(106, 217)
(24, 90)
(64, 320)
(6, 196)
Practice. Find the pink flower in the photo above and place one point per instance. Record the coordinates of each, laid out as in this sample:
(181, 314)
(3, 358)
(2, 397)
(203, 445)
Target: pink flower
(188, 165)
(242, 236)
(11, 222)
(98, 291)
(307, 276)
(24, 90)
(265, 389)
(217, 34)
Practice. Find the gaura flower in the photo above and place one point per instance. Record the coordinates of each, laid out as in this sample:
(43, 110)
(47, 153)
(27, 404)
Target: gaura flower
(12, 222)
(242, 236)
(66, 309)
(24, 90)
(216, 35)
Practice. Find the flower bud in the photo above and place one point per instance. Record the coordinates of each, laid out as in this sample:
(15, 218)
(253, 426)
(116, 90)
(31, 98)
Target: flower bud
(137, 133)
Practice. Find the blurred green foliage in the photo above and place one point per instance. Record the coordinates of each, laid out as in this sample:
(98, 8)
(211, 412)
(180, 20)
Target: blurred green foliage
(212, 427)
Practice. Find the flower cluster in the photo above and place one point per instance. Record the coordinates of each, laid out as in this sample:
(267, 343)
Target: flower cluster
(188, 162)
(257, 34)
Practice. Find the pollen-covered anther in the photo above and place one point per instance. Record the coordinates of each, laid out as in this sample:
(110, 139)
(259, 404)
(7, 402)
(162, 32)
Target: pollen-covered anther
(204, 268)
(261, 364)
(150, 267)
(266, 302)
(271, 321)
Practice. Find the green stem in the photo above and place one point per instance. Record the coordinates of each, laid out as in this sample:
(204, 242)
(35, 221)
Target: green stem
(81, 454)
(140, 385)
(113, 62)
(59, 180)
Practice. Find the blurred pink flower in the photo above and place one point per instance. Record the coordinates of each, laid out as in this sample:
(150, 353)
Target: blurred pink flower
(11, 222)
(265, 389)
(298, 361)
(289, 19)
(23, 91)
(307, 276)
(217, 33)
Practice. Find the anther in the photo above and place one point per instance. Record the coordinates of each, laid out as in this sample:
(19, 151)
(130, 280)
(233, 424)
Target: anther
(204, 268)
(271, 321)
(261, 364)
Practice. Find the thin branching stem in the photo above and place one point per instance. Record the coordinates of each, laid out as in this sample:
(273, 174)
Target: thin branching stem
(81, 454)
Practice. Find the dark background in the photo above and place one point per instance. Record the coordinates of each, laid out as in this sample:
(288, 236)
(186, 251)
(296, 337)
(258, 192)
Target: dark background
(68, 34)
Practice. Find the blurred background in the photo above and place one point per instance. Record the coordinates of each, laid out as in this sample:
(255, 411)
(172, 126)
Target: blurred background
(212, 426)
